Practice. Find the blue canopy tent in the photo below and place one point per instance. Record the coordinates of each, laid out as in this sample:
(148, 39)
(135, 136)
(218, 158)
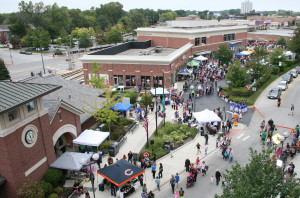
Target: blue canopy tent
(234, 46)
(121, 107)
(239, 54)
(184, 72)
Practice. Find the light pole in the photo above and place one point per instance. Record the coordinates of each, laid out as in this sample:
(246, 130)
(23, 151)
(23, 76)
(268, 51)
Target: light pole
(156, 133)
(283, 137)
(164, 104)
(40, 51)
(84, 162)
(147, 120)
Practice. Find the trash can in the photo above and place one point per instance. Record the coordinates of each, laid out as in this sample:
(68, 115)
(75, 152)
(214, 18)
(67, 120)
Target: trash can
(167, 142)
(113, 149)
(136, 157)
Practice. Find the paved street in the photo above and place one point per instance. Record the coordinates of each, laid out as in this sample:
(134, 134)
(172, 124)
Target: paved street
(23, 64)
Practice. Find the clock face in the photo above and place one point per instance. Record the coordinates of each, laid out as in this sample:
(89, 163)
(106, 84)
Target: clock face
(30, 137)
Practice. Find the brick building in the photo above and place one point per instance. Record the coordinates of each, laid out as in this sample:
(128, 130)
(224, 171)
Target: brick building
(4, 34)
(29, 133)
(159, 49)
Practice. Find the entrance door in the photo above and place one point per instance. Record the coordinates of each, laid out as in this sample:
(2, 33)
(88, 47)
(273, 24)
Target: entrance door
(116, 81)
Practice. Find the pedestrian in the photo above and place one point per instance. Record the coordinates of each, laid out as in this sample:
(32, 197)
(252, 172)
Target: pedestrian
(145, 188)
(112, 189)
(153, 170)
(151, 194)
(206, 138)
(144, 195)
(152, 107)
(130, 156)
(198, 148)
(292, 110)
(212, 179)
(197, 161)
(157, 181)
(181, 193)
(172, 183)
(177, 179)
(218, 176)
(203, 168)
(160, 170)
(278, 102)
(187, 165)
(176, 194)
(263, 136)
(230, 155)
(262, 125)
(171, 149)
(206, 148)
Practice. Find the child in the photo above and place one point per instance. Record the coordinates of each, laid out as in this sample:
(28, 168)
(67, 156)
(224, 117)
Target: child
(241, 117)
(212, 179)
(197, 160)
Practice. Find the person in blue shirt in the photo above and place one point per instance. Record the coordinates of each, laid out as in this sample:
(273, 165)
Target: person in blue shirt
(153, 170)
(177, 179)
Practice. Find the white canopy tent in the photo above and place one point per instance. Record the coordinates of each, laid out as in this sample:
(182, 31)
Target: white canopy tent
(245, 53)
(91, 138)
(206, 116)
(200, 58)
(159, 91)
(71, 160)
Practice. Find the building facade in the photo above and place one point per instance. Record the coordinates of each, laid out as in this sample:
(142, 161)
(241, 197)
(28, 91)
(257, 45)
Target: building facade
(246, 7)
(4, 34)
(27, 136)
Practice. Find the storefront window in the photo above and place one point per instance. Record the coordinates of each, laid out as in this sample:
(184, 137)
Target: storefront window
(147, 80)
(118, 80)
(197, 41)
(130, 81)
(157, 81)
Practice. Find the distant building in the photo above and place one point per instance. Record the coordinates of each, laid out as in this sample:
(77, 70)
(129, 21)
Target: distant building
(4, 34)
(282, 21)
(271, 35)
(189, 17)
(192, 23)
(246, 7)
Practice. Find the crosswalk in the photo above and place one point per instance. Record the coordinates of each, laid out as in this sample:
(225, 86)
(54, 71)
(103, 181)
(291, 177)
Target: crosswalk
(244, 138)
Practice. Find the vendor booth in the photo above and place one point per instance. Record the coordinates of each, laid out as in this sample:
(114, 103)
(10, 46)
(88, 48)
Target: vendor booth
(193, 64)
(121, 107)
(200, 58)
(124, 175)
(159, 91)
(245, 53)
(71, 160)
(91, 138)
(206, 117)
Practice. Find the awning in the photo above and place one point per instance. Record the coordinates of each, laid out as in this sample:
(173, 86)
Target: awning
(193, 64)
(206, 116)
(159, 91)
(121, 172)
(200, 58)
(234, 42)
(202, 52)
(91, 138)
(185, 71)
(71, 160)
(234, 46)
(121, 107)
(239, 54)
(245, 53)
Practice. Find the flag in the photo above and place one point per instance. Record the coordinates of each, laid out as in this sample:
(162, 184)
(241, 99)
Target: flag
(146, 123)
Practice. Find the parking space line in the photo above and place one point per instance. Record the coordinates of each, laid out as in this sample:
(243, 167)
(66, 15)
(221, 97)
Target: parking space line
(246, 138)
(240, 136)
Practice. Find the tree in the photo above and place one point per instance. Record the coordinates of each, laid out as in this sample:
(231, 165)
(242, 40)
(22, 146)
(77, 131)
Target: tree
(85, 41)
(44, 39)
(4, 73)
(260, 52)
(237, 75)
(103, 22)
(294, 43)
(114, 36)
(181, 13)
(18, 29)
(258, 69)
(64, 38)
(30, 189)
(126, 23)
(137, 17)
(37, 38)
(281, 41)
(96, 80)
(168, 16)
(260, 177)
(104, 114)
(224, 54)
(277, 56)
(113, 11)
(149, 99)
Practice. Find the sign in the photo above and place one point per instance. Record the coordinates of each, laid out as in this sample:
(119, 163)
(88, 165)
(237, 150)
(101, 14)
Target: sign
(146, 154)
(280, 64)
(253, 88)
(275, 138)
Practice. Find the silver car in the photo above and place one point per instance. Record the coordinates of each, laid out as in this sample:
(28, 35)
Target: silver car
(294, 73)
(283, 85)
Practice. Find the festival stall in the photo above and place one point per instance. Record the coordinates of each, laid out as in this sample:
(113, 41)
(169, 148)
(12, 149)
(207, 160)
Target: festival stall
(71, 160)
(91, 138)
(193, 64)
(200, 58)
(122, 107)
(122, 174)
(159, 91)
(205, 118)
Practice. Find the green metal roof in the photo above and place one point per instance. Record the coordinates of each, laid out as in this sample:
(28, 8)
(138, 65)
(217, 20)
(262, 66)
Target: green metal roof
(13, 94)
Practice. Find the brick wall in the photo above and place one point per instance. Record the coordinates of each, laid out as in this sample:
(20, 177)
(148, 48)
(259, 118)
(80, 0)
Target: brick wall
(165, 41)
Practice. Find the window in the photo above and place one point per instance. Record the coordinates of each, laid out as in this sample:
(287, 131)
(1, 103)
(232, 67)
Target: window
(12, 115)
(59, 116)
(203, 40)
(30, 106)
(233, 37)
(157, 81)
(197, 41)
(225, 37)
(147, 80)
(118, 80)
(130, 80)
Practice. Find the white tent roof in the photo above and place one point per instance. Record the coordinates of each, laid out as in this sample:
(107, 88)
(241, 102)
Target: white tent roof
(91, 138)
(159, 91)
(70, 160)
(288, 53)
(200, 58)
(245, 53)
(206, 116)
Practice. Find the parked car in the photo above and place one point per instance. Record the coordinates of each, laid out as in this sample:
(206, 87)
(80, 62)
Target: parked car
(22, 52)
(119, 88)
(274, 93)
(287, 77)
(298, 68)
(28, 53)
(283, 85)
(294, 73)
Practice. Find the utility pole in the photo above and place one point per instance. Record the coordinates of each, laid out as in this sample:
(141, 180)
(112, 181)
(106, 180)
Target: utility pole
(146, 113)
(164, 107)
(156, 132)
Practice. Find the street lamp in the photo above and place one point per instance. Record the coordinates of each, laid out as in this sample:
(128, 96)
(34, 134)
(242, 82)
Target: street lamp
(40, 51)
(147, 120)
(84, 162)
(283, 137)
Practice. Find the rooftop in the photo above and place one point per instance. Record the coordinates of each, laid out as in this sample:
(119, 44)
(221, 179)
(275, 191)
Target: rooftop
(71, 92)
(279, 32)
(149, 51)
(14, 94)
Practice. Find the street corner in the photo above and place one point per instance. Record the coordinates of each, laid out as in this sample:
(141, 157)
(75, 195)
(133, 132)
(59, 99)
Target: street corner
(237, 129)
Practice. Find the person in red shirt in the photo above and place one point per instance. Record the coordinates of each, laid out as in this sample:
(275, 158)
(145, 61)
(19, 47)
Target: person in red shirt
(197, 161)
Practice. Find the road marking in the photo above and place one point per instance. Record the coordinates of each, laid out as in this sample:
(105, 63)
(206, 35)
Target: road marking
(246, 138)
(240, 136)
(286, 91)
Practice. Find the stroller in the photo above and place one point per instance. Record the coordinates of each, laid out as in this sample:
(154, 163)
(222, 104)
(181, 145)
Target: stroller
(190, 181)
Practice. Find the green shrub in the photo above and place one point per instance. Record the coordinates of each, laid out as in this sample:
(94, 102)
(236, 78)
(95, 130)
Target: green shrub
(30, 189)
(54, 176)
(47, 187)
(149, 99)
(125, 122)
(275, 70)
(243, 92)
(105, 127)
(282, 67)
(53, 195)
(133, 96)
(289, 63)
(58, 190)
(104, 146)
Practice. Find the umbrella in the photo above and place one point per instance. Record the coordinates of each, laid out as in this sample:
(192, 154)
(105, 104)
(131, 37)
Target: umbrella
(121, 172)
(193, 64)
